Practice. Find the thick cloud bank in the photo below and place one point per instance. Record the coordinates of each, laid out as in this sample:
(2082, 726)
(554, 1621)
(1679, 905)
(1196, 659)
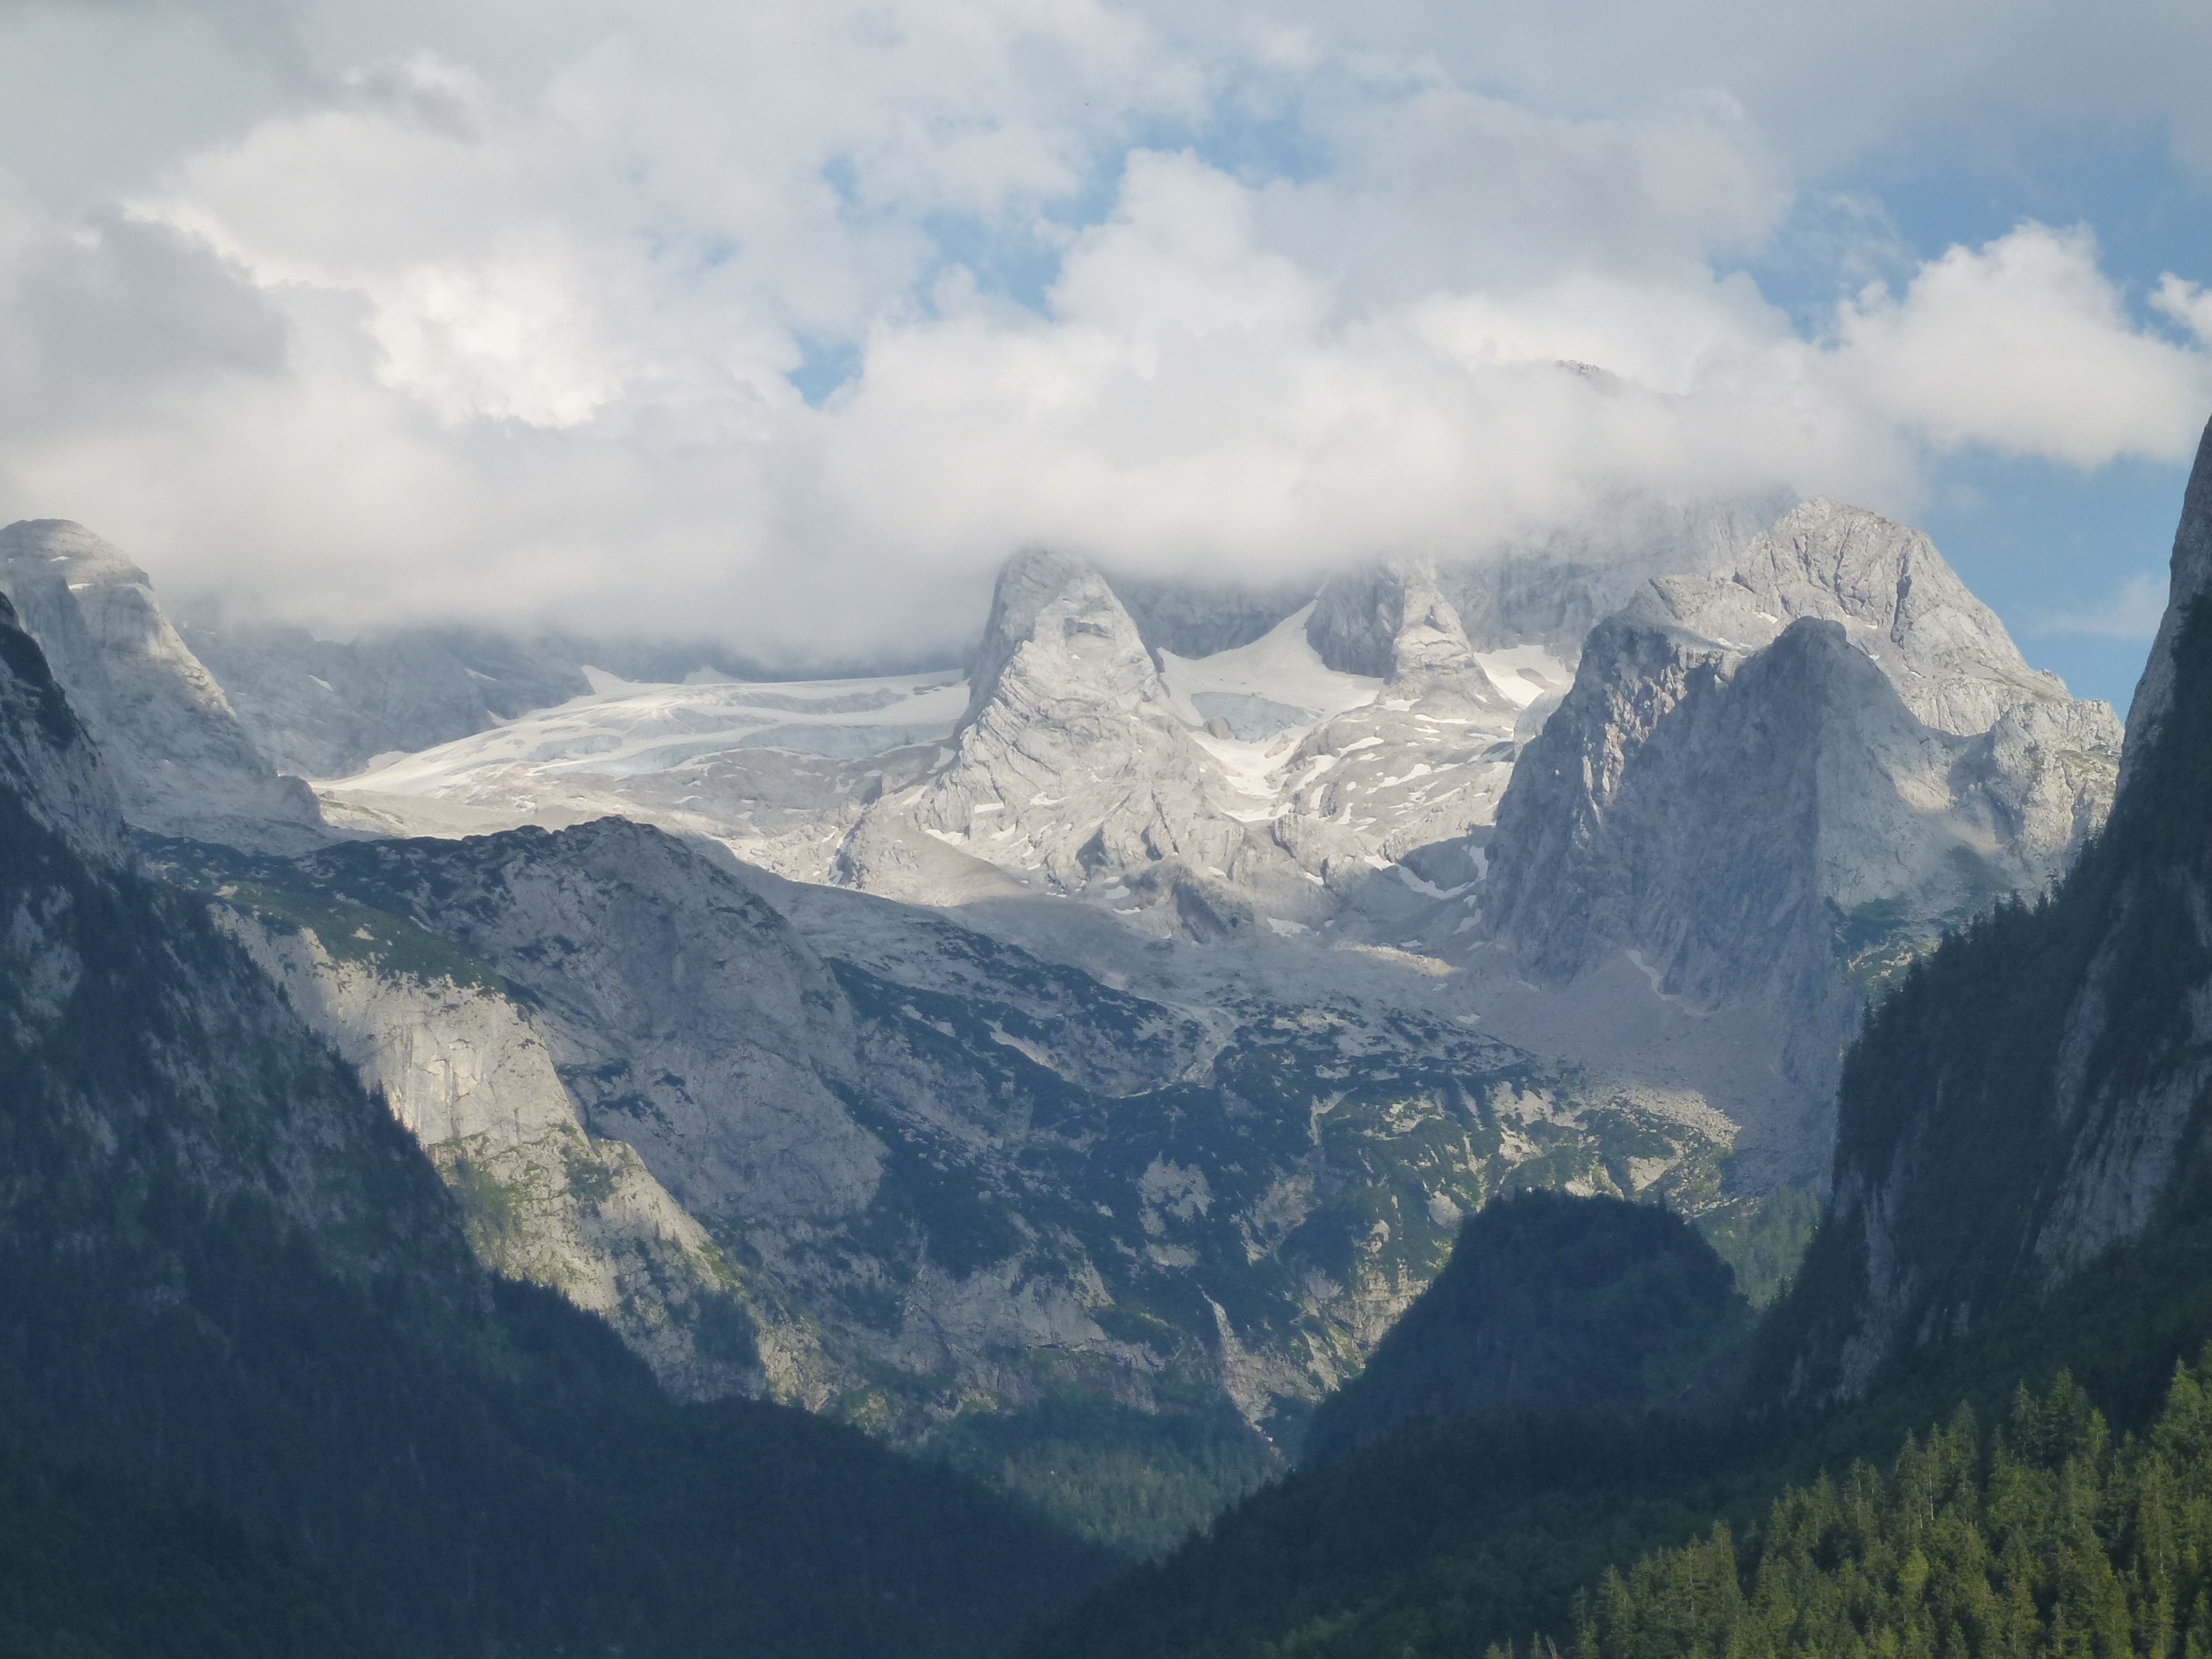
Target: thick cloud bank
(786, 323)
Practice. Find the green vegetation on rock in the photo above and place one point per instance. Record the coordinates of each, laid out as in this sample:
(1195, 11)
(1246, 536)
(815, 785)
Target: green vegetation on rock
(1554, 1303)
(2047, 1536)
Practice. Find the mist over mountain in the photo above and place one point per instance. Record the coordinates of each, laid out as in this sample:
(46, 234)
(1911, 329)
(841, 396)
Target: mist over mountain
(1127, 1065)
(1105, 831)
(1971, 1418)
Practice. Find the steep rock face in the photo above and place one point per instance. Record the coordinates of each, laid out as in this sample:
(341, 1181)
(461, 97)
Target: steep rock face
(182, 762)
(47, 762)
(467, 1068)
(692, 1023)
(70, 883)
(1740, 791)
(1945, 651)
(2035, 1094)
(949, 1173)
(1073, 766)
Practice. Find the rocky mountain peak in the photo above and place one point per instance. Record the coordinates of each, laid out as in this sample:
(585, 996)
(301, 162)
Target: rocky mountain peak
(1900, 601)
(1395, 623)
(1359, 615)
(52, 567)
(1429, 638)
(2190, 581)
(1777, 784)
(183, 764)
(1058, 634)
(1073, 767)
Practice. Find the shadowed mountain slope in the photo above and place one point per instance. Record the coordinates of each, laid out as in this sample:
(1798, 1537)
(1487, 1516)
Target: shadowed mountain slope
(229, 1269)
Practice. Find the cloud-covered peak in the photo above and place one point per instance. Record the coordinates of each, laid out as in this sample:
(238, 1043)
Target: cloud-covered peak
(451, 312)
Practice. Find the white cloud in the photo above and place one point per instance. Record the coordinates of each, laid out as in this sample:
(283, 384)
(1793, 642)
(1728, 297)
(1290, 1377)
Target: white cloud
(2188, 303)
(2024, 346)
(422, 310)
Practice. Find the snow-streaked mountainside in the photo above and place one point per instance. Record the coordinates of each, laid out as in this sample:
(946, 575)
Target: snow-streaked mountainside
(1335, 783)
(1141, 1023)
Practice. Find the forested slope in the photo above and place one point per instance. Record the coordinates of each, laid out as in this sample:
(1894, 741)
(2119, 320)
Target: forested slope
(228, 1278)
(1551, 1302)
(2045, 1536)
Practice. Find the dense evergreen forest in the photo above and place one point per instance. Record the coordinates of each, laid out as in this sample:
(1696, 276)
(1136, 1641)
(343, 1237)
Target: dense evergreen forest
(2047, 1536)
(95, 1564)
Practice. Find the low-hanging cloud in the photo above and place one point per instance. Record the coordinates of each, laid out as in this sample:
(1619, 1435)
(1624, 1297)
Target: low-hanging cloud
(447, 319)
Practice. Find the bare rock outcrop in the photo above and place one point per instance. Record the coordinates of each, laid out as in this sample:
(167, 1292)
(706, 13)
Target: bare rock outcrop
(1782, 783)
(181, 762)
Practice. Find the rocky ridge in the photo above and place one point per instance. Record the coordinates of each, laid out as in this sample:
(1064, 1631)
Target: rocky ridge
(934, 1174)
(2033, 1097)
(1129, 1024)
(183, 763)
(1782, 783)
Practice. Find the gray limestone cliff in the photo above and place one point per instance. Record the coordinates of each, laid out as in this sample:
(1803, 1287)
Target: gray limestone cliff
(181, 762)
(1780, 784)
(2036, 1094)
(1074, 766)
(935, 1176)
(465, 1066)
(141, 1051)
(47, 762)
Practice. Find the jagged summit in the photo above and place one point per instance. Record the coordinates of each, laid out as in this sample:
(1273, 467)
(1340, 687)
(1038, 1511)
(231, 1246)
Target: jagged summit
(1773, 785)
(2189, 580)
(1057, 637)
(1949, 655)
(1075, 766)
(1393, 621)
(183, 764)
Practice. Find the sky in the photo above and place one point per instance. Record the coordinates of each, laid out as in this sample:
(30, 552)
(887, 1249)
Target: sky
(785, 323)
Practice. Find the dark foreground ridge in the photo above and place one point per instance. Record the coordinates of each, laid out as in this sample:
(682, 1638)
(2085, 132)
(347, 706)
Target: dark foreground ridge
(232, 1285)
(1550, 1302)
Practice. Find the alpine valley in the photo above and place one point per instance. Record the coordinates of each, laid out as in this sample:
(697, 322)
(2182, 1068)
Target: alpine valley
(570, 1132)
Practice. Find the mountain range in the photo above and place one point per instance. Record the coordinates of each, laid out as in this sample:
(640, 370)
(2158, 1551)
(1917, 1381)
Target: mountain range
(1089, 1059)
(1121, 1075)
(2005, 1306)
